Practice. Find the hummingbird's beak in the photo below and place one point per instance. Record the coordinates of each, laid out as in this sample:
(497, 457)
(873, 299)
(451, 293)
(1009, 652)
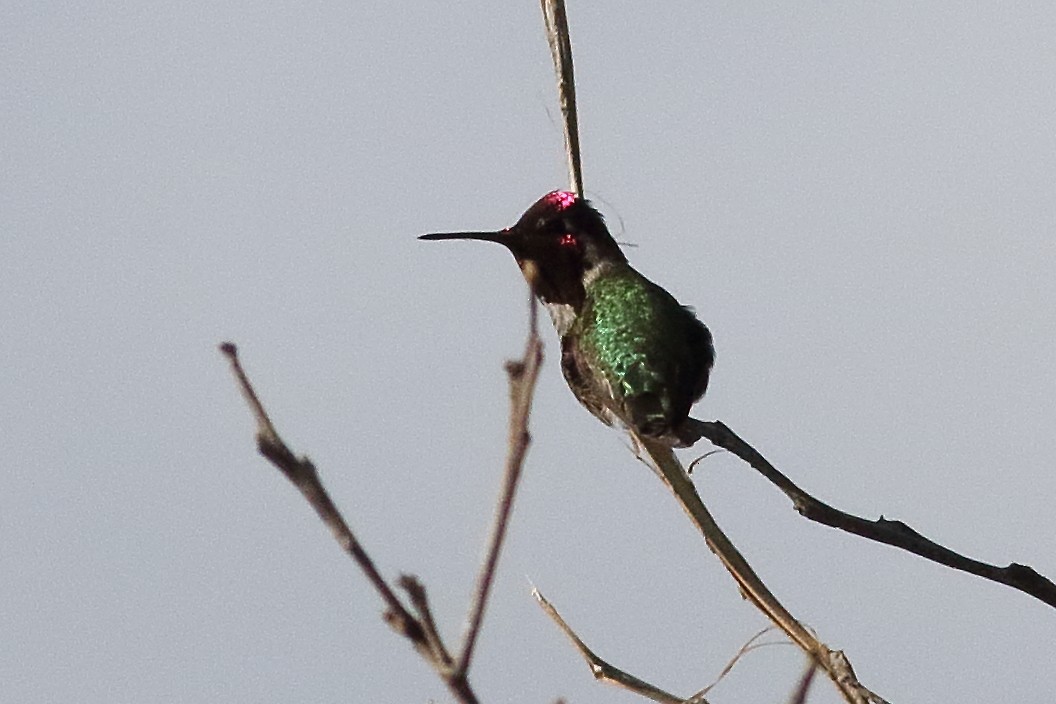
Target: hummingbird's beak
(499, 236)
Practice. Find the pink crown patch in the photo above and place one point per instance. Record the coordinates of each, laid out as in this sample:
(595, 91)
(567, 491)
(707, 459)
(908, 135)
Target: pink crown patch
(560, 200)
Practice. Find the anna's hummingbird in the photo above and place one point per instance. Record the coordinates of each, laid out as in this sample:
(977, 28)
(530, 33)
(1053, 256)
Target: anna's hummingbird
(631, 354)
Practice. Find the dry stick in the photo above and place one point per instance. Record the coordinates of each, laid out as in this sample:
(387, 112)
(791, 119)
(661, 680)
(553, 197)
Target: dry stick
(660, 457)
(894, 533)
(523, 375)
(557, 37)
(604, 671)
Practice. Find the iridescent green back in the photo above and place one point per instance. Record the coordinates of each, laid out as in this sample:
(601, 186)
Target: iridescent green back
(654, 354)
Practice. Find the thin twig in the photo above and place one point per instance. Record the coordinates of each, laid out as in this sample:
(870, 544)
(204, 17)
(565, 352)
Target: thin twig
(891, 532)
(523, 375)
(561, 51)
(604, 671)
(416, 593)
(741, 652)
(799, 696)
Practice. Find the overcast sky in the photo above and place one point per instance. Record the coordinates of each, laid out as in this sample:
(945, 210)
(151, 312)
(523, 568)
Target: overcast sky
(856, 198)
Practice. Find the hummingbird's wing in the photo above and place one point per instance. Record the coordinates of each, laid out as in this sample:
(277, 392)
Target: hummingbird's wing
(590, 387)
(635, 398)
(700, 355)
(636, 357)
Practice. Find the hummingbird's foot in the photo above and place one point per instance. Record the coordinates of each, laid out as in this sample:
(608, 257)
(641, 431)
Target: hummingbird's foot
(651, 422)
(687, 433)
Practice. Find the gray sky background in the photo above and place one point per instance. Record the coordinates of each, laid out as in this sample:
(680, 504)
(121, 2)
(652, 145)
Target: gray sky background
(858, 200)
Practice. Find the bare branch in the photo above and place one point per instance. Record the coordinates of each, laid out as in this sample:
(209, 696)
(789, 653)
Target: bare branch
(561, 52)
(523, 375)
(302, 473)
(895, 533)
(604, 671)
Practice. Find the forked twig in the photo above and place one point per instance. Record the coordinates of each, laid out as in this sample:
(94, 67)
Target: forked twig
(663, 461)
(419, 627)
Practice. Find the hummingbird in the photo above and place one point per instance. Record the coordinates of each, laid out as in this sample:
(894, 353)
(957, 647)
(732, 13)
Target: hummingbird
(631, 354)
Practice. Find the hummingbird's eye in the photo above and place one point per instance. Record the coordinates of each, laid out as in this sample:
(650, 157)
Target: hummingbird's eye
(548, 225)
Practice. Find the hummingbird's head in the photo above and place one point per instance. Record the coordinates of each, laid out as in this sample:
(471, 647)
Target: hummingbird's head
(559, 242)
